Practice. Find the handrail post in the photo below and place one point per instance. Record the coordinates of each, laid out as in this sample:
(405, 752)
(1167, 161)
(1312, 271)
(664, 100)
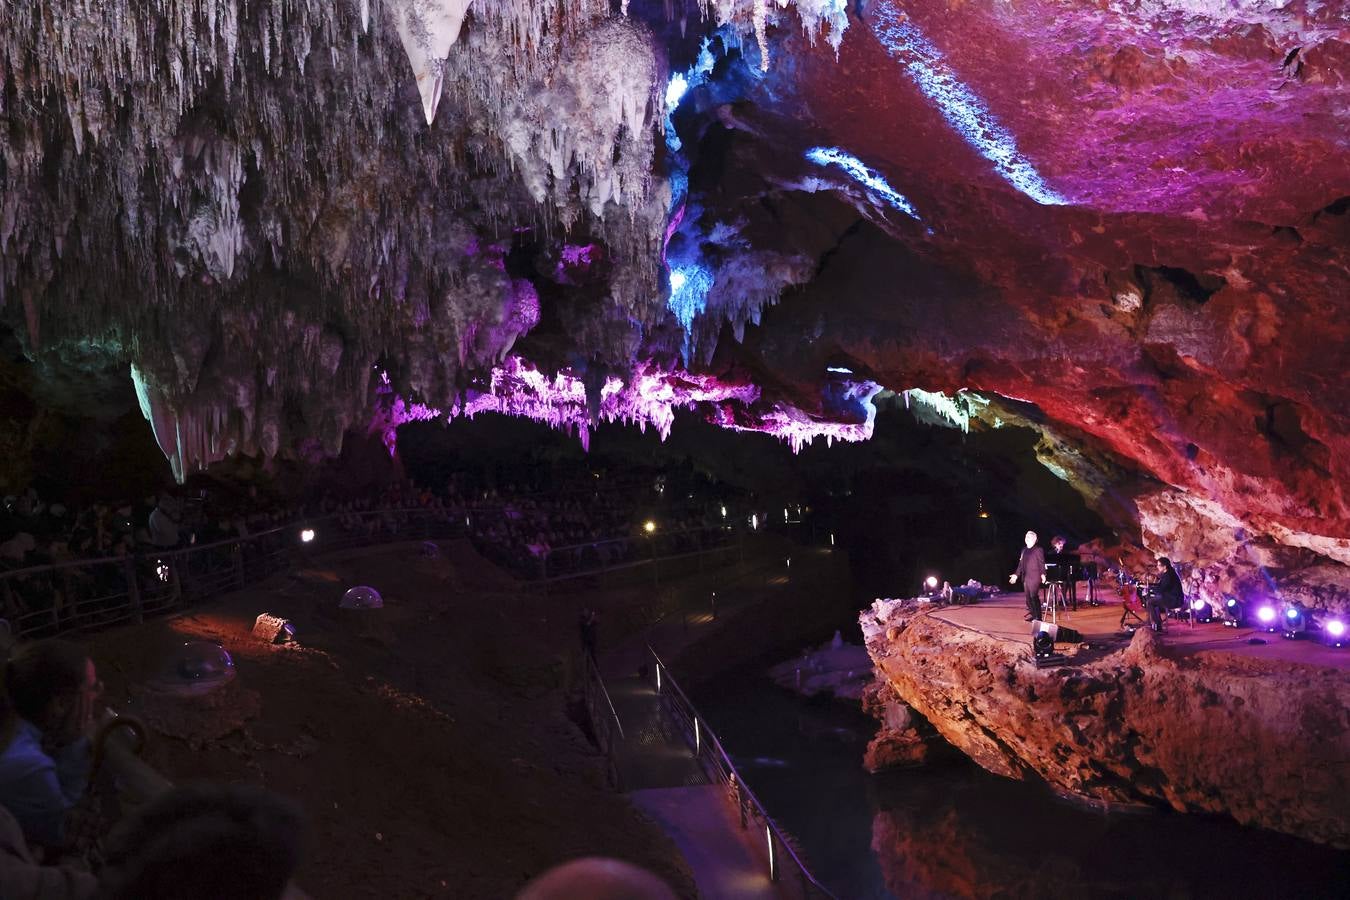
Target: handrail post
(177, 583)
(237, 558)
(773, 857)
(133, 588)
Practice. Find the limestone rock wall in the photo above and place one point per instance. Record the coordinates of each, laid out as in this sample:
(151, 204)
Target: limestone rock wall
(1265, 742)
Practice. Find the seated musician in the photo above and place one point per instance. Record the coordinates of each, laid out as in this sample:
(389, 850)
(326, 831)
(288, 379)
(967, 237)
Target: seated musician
(1166, 594)
(1062, 569)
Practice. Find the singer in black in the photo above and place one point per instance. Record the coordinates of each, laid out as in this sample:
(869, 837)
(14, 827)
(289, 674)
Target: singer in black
(1166, 593)
(1031, 569)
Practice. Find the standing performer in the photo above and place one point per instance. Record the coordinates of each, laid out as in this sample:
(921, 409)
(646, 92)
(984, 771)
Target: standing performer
(1031, 569)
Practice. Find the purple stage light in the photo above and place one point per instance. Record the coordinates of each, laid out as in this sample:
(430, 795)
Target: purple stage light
(1336, 628)
(1198, 605)
(1266, 614)
(1291, 613)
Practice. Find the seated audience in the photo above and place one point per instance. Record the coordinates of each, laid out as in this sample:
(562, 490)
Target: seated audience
(51, 690)
(23, 878)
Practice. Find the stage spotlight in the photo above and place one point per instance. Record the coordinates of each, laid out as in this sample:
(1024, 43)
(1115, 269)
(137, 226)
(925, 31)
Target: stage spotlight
(1333, 632)
(1295, 620)
(1265, 614)
(931, 582)
(1043, 645)
(1201, 611)
(306, 535)
(1235, 613)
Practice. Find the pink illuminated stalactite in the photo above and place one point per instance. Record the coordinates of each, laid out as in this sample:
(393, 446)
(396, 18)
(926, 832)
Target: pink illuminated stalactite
(651, 397)
(391, 411)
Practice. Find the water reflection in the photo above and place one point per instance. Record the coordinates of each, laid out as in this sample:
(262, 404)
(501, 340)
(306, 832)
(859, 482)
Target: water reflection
(957, 831)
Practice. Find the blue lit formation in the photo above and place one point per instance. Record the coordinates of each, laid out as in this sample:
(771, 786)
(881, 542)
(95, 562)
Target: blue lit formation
(675, 91)
(689, 287)
(963, 110)
(859, 172)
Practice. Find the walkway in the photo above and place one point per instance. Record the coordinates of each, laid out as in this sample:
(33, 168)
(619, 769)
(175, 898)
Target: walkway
(700, 823)
(658, 770)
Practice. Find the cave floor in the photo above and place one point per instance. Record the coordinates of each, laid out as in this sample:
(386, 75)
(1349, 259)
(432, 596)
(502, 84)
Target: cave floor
(427, 742)
(1002, 617)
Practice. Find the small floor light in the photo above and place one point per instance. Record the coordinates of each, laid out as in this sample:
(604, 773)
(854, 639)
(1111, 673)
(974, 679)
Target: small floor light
(1201, 611)
(1236, 613)
(1333, 632)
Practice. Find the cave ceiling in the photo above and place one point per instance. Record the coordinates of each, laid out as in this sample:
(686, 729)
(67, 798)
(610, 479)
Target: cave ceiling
(1123, 222)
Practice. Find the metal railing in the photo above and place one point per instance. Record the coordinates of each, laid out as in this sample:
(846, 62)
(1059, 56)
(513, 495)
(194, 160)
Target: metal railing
(785, 866)
(604, 718)
(636, 551)
(92, 593)
(41, 601)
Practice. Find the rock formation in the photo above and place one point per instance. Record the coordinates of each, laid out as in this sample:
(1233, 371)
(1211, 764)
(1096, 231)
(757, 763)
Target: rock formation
(1262, 741)
(1124, 223)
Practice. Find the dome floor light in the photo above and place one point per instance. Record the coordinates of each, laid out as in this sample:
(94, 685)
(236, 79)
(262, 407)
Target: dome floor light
(1201, 611)
(361, 597)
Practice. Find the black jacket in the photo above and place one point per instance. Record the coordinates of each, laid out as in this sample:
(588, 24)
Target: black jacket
(1031, 567)
(1168, 589)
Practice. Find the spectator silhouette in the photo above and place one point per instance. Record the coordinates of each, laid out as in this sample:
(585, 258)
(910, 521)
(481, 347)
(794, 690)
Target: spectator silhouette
(204, 842)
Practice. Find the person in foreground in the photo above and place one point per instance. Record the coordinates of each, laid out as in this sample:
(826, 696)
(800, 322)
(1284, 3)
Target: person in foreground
(204, 842)
(51, 690)
(22, 877)
(1031, 569)
(596, 878)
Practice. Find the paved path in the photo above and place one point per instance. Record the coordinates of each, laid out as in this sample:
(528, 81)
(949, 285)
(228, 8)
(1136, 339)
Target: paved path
(657, 767)
(699, 821)
(650, 756)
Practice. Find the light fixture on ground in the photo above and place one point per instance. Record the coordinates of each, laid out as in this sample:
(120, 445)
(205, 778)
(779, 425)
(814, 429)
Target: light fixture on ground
(1333, 632)
(1235, 613)
(306, 535)
(1044, 636)
(1267, 617)
(1201, 611)
(1294, 620)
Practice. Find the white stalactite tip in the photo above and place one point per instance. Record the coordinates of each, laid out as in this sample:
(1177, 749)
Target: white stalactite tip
(428, 29)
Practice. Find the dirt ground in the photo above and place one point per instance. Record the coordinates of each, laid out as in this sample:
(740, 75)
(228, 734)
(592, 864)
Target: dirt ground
(428, 741)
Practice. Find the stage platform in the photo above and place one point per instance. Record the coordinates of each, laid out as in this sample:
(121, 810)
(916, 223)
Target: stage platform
(1001, 617)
